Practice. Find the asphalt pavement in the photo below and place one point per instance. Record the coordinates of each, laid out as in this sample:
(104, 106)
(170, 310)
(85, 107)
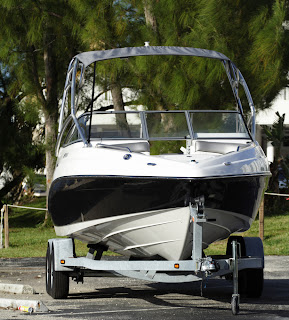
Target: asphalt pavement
(123, 298)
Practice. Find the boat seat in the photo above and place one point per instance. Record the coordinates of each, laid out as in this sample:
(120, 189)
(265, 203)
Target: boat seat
(142, 146)
(218, 147)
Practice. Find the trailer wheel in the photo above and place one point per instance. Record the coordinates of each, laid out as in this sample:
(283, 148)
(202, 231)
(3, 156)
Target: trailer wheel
(250, 280)
(235, 305)
(58, 281)
(48, 271)
(253, 281)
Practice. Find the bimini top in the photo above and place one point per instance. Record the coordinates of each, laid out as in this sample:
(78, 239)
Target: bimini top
(91, 56)
(75, 79)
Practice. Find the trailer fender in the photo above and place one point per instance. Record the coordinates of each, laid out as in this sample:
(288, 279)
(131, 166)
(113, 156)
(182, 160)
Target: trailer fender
(249, 247)
(63, 249)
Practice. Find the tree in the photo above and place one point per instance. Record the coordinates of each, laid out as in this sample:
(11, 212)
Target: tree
(234, 28)
(151, 20)
(110, 24)
(18, 120)
(268, 55)
(251, 34)
(37, 45)
(40, 38)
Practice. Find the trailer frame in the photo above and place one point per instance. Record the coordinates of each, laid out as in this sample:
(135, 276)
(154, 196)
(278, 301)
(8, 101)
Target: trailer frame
(245, 257)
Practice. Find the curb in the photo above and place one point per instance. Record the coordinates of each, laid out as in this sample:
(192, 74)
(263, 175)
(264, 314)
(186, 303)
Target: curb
(36, 305)
(16, 288)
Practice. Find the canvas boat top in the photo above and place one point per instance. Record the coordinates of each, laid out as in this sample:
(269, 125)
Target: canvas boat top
(92, 56)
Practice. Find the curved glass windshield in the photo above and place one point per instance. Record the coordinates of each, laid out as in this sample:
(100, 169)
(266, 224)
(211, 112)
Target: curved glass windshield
(218, 125)
(158, 125)
(167, 125)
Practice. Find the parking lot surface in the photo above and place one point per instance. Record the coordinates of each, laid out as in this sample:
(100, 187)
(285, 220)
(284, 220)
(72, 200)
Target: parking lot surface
(124, 298)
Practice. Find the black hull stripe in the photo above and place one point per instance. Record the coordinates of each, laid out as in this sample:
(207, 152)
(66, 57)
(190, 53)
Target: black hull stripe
(85, 198)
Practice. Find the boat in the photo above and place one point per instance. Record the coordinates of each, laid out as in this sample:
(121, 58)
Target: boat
(109, 189)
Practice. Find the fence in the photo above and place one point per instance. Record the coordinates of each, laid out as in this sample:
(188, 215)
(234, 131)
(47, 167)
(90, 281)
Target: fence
(4, 216)
(261, 212)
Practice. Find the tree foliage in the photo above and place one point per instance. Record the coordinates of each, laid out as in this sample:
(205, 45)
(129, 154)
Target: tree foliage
(37, 45)
(109, 24)
(269, 57)
(249, 33)
(40, 37)
(18, 121)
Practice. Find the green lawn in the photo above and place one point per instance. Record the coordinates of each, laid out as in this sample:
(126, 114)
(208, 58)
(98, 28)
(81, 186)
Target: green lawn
(276, 236)
(29, 239)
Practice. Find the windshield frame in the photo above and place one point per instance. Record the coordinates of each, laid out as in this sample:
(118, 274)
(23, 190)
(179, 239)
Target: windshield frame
(145, 135)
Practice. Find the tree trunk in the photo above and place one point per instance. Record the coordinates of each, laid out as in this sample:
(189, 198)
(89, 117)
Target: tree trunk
(151, 20)
(117, 97)
(149, 15)
(50, 108)
(121, 120)
(50, 140)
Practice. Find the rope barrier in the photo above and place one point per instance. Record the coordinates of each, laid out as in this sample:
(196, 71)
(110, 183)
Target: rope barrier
(261, 232)
(22, 207)
(6, 225)
(277, 194)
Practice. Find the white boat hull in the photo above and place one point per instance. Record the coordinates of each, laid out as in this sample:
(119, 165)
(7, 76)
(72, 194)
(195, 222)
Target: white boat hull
(165, 233)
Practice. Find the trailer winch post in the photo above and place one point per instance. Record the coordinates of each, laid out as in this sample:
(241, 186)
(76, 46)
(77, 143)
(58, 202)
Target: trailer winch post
(198, 218)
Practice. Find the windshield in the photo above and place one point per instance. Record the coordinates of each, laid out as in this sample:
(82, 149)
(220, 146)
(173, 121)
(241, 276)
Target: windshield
(159, 125)
(167, 125)
(114, 126)
(218, 124)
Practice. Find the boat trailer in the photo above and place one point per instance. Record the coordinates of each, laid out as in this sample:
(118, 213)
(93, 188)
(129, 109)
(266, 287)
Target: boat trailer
(243, 263)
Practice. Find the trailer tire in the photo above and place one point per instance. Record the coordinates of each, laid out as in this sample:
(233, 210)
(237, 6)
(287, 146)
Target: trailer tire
(59, 280)
(48, 271)
(251, 281)
(254, 282)
(235, 305)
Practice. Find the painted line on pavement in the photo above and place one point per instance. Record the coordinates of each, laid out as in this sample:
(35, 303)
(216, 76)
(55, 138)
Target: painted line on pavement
(114, 311)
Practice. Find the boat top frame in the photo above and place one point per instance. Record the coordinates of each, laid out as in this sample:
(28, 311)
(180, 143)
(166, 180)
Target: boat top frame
(82, 60)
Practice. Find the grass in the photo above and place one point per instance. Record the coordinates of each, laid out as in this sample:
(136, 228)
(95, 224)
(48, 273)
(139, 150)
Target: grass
(28, 238)
(276, 236)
